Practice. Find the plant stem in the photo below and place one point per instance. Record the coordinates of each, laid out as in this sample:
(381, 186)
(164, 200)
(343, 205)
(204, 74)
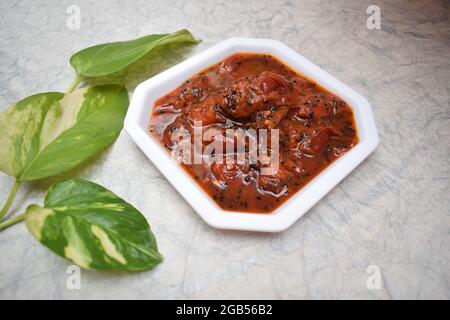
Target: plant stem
(9, 222)
(10, 199)
(74, 84)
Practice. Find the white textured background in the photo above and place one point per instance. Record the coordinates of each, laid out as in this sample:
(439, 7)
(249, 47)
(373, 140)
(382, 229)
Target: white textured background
(392, 211)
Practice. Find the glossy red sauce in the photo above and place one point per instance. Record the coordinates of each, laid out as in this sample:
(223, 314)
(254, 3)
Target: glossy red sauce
(258, 91)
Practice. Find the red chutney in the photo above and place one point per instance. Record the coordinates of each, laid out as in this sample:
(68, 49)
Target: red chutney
(258, 91)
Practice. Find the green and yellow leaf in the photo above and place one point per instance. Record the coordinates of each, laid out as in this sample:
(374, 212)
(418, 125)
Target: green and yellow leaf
(50, 133)
(92, 227)
(106, 59)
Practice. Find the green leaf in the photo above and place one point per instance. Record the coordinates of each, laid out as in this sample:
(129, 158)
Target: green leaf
(92, 227)
(50, 133)
(20, 127)
(109, 58)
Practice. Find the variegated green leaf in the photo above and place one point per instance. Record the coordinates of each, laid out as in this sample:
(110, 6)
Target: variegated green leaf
(109, 58)
(92, 227)
(20, 128)
(50, 133)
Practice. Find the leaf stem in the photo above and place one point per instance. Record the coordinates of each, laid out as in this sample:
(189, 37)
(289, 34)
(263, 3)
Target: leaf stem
(9, 222)
(74, 84)
(10, 199)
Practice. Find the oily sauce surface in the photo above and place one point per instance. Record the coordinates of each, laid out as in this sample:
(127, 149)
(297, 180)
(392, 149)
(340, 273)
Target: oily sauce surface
(258, 91)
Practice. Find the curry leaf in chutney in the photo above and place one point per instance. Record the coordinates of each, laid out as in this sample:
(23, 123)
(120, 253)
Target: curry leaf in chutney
(109, 58)
(50, 133)
(92, 227)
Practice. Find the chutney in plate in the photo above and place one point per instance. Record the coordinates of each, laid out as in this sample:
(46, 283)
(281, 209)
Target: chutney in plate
(251, 91)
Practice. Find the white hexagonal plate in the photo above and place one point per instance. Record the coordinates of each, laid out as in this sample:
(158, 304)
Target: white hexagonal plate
(146, 93)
